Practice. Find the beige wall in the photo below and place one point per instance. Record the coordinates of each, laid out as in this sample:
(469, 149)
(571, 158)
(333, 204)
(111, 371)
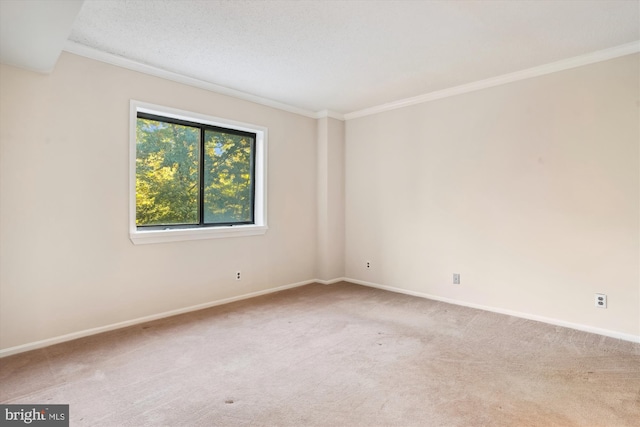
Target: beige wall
(330, 177)
(66, 260)
(529, 190)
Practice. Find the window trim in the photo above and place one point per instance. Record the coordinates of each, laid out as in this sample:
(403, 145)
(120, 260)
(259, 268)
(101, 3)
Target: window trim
(145, 235)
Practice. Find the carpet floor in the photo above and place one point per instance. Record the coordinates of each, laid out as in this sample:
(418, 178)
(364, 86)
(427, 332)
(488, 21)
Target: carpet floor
(338, 355)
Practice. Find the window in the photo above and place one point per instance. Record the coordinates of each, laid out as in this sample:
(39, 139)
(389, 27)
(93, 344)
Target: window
(194, 176)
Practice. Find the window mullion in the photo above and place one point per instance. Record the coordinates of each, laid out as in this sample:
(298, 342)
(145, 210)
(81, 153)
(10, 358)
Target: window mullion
(201, 179)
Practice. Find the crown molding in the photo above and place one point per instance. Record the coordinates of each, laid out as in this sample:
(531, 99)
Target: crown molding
(119, 61)
(565, 64)
(328, 113)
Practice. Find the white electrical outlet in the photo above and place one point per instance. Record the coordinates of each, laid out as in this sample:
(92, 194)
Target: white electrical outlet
(456, 278)
(368, 265)
(601, 300)
(238, 275)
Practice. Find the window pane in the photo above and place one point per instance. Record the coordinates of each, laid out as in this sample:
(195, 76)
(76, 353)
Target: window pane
(228, 187)
(167, 157)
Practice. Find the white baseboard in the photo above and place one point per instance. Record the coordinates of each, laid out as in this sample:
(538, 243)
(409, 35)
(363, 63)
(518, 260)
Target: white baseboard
(556, 322)
(93, 331)
(332, 281)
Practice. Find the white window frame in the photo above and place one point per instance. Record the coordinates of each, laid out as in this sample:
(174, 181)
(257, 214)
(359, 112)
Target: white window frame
(142, 236)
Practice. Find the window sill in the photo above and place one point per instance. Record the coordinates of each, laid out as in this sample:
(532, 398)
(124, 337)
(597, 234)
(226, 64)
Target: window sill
(179, 235)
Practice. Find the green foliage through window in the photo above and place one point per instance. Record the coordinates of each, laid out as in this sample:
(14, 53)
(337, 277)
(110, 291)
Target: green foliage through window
(190, 174)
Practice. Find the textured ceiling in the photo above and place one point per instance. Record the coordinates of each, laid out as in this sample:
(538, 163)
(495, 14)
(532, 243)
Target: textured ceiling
(345, 56)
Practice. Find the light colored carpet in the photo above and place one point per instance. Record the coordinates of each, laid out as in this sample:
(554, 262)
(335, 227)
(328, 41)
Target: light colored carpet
(338, 355)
